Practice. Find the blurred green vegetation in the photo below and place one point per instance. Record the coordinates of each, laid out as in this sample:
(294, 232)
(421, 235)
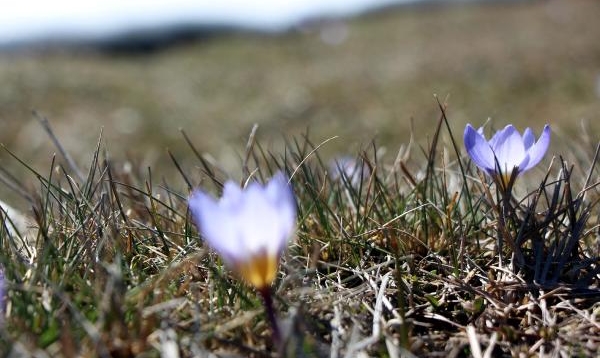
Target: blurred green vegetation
(528, 64)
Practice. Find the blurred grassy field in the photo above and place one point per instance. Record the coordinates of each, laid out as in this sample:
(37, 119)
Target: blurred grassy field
(528, 64)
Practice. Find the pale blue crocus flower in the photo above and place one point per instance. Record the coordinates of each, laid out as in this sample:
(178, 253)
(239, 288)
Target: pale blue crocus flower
(508, 153)
(349, 169)
(248, 227)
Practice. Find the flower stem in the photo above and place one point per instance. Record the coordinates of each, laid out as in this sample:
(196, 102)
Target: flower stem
(267, 296)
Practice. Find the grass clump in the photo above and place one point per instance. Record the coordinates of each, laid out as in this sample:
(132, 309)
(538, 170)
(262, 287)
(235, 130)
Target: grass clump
(390, 259)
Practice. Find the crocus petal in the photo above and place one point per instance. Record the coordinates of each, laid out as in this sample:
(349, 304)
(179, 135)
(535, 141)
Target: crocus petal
(501, 135)
(528, 138)
(523, 165)
(478, 149)
(281, 195)
(349, 170)
(537, 151)
(203, 208)
(270, 214)
(279, 191)
(508, 149)
(210, 217)
(232, 195)
(260, 223)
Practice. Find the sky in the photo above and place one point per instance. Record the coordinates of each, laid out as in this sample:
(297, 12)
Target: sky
(27, 20)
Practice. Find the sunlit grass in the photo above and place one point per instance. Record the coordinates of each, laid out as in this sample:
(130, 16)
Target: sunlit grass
(401, 258)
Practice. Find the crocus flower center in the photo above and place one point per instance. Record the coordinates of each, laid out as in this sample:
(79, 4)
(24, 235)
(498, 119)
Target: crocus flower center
(259, 270)
(505, 175)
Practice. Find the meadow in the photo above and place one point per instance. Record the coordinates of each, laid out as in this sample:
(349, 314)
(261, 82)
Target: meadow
(416, 253)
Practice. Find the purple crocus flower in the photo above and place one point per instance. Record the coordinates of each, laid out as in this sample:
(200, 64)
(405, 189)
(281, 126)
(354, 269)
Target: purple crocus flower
(508, 151)
(248, 227)
(350, 169)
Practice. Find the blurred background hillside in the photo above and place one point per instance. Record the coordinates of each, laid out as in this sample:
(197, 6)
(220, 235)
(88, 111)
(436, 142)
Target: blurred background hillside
(359, 78)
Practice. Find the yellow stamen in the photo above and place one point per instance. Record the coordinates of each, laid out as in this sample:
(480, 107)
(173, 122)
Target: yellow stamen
(505, 179)
(260, 270)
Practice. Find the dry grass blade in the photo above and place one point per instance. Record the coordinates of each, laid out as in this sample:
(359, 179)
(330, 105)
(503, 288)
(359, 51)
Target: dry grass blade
(70, 161)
